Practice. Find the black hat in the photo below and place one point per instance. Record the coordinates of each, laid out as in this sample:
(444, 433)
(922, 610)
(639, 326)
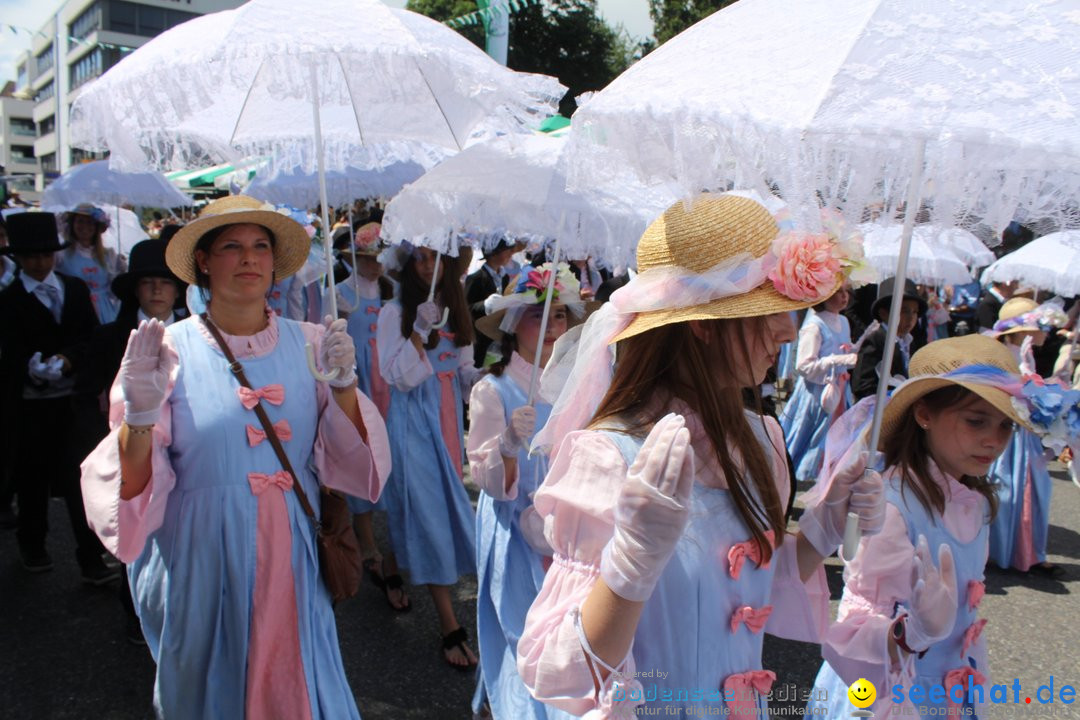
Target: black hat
(885, 293)
(147, 260)
(30, 233)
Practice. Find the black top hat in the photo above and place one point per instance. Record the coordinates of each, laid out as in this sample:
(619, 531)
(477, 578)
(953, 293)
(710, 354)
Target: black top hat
(30, 233)
(885, 293)
(147, 260)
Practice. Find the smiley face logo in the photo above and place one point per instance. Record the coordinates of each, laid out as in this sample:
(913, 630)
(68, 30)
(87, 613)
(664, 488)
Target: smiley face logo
(862, 693)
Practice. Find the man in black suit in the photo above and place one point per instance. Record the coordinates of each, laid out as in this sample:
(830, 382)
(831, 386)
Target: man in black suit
(490, 279)
(864, 377)
(46, 319)
(990, 302)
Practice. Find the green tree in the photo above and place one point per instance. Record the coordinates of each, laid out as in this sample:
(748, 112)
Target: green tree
(671, 17)
(563, 38)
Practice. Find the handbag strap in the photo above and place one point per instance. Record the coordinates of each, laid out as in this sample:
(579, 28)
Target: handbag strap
(268, 427)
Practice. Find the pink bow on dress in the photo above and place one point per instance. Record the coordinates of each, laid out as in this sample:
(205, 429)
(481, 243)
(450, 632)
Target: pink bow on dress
(976, 590)
(273, 394)
(739, 690)
(971, 635)
(261, 481)
(754, 619)
(959, 677)
(257, 435)
(749, 549)
(372, 309)
(446, 335)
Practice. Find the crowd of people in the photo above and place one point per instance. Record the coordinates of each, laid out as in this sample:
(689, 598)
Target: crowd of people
(636, 490)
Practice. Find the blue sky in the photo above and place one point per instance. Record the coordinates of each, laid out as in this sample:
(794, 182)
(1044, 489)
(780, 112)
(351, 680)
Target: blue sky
(631, 14)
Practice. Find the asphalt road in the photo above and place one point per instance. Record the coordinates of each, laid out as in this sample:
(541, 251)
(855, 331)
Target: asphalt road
(64, 655)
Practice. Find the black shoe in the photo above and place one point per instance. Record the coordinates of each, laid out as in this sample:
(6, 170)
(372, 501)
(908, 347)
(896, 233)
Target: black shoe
(36, 560)
(134, 631)
(95, 572)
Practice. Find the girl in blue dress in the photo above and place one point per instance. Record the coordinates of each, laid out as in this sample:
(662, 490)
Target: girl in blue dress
(88, 259)
(430, 370)
(511, 550)
(908, 613)
(188, 491)
(821, 393)
(664, 503)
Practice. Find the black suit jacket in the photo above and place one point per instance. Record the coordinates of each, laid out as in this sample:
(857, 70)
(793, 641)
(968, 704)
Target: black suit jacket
(479, 287)
(107, 345)
(986, 312)
(27, 326)
(864, 377)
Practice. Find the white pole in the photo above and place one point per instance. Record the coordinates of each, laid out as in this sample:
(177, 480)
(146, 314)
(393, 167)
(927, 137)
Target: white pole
(434, 277)
(544, 321)
(352, 252)
(910, 211)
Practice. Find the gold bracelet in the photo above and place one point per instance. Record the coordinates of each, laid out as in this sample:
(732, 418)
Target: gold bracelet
(139, 429)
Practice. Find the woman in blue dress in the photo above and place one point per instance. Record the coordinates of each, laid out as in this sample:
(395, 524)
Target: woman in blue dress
(510, 546)
(87, 258)
(188, 491)
(664, 503)
(821, 392)
(430, 370)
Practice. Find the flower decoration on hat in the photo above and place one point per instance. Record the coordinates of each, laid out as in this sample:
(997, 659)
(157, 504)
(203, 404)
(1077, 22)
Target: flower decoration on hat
(1052, 410)
(367, 236)
(537, 281)
(93, 212)
(1046, 317)
(806, 265)
(531, 290)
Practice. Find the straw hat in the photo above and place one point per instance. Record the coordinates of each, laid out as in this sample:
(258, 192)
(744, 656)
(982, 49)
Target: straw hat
(490, 324)
(1015, 307)
(943, 356)
(291, 241)
(699, 237)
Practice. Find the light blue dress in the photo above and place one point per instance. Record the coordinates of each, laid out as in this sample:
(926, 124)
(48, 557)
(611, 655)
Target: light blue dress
(193, 583)
(804, 421)
(685, 627)
(429, 516)
(1022, 479)
(942, 657)
(98, 278)
(509, 576)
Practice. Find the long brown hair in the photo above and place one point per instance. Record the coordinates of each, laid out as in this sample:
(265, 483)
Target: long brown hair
(908, 449)
(414, 291)
(672, 361)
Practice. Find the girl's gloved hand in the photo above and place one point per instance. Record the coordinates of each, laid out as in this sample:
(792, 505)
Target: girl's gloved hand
(144, 373)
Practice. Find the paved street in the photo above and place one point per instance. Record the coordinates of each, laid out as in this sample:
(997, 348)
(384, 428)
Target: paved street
(64, 653)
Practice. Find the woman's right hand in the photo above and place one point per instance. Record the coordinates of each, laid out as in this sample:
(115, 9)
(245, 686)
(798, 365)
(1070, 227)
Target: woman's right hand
(144, 373)
(652, 511)
(427, 314)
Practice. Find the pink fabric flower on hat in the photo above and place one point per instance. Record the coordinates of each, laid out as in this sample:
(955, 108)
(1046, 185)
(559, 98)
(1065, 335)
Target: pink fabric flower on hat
(806, 265)
(368, 234)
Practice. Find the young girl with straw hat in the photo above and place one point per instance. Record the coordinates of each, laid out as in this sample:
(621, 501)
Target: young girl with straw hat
(664, 504)
(1018, 534)
(509, 545)
(908, 613)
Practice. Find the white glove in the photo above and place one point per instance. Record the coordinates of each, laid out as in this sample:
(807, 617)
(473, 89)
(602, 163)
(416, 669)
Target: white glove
(652, 511)
(427, 314)
(853, 489)
(338, 352)
(517, 434)
(45, 371)
(844, 360)
(144, 373)
(932, 611)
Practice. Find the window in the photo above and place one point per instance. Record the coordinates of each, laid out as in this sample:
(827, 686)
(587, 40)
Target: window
(47, 126)
(151, 20)
(22, 153)
(23, 77)
(87, 68)
(44, 60)
(123, 17)
(24, 127)
(88, 22)
(178, 17)
(78, 155)
(145, 20)
(46, 92)
(48, 162)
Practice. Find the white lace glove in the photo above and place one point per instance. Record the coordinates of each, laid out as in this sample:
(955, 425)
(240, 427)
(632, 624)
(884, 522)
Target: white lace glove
(338, 352)
(932, 612)
(843, 360)
(652, 511)
(427, 314)
(515, 437)
(853, 489)
(49, 370)
(144, 373)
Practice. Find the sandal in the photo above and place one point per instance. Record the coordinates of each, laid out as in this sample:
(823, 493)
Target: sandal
(394, 582)
(1047, 569)
(373, 567)
(457, 639)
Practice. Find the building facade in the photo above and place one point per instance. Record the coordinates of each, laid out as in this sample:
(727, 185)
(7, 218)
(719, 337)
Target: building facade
(17, 136)
(78, 44)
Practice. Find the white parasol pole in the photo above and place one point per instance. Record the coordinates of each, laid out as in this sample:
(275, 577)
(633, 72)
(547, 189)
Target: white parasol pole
(321, 376)
(851, 528)
(431, 292)
(352, 252)
(544, 319)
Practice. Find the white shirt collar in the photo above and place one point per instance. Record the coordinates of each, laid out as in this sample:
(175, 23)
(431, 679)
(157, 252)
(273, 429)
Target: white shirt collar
(168, 321)
(31, 284)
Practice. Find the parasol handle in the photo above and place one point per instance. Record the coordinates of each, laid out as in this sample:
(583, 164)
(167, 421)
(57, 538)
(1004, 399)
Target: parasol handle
(431, 293)
(544, 323)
